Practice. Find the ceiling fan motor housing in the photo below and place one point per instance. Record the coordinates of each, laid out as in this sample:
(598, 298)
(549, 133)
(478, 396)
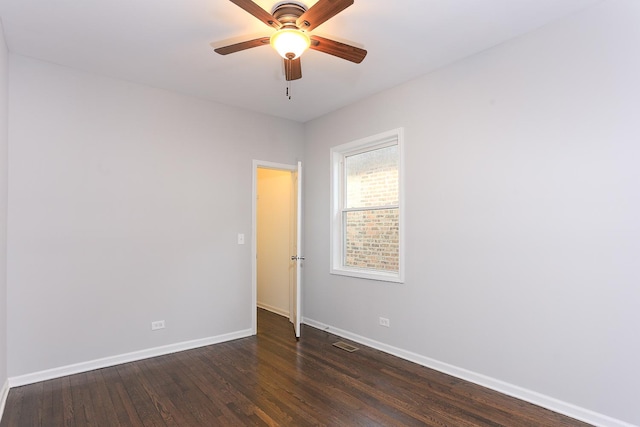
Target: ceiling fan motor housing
(288, 14)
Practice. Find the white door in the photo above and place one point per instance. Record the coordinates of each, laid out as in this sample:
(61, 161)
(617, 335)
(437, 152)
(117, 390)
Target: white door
(297, 257)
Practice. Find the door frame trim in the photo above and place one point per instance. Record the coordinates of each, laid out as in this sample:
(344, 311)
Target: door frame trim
(254, 242)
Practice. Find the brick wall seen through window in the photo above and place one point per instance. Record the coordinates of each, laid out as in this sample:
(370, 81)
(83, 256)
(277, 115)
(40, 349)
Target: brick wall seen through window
(371, 235)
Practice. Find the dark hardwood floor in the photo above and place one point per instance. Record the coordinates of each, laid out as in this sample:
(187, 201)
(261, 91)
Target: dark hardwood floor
(269, 380)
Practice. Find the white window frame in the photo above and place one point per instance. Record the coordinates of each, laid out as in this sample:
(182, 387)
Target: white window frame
(338, 154)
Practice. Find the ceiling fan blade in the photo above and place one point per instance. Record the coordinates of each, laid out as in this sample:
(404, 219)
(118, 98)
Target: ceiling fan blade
(341, 50)
(237, 47)
(321, 12)
(292, 69)
(258, 12)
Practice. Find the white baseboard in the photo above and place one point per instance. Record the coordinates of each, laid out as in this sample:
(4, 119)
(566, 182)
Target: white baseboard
(536, 398)
(273, 309)
(122, 358)
(4, 392)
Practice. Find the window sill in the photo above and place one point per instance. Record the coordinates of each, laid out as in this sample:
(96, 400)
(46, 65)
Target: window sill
(368, 274)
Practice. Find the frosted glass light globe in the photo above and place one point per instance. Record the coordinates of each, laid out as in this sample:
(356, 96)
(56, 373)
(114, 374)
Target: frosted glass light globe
(290, 42)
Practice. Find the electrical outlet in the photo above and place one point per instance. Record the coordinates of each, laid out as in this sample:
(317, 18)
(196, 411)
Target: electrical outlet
(384, 322)
(158, 324)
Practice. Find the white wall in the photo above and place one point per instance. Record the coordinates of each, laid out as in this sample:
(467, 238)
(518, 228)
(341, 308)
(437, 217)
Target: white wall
(124, 207)
(4, 82)
(274, 239)
(522, 220)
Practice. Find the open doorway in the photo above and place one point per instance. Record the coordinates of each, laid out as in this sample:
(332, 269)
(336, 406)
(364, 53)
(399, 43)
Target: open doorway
(275, 241)
(275, 229)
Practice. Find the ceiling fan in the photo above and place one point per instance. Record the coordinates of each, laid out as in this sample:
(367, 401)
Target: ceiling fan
(293, 21)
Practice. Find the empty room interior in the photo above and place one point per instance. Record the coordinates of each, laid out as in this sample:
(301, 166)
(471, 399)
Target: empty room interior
(171, 186)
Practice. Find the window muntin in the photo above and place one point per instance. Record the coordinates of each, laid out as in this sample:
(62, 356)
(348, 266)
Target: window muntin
(366, 206)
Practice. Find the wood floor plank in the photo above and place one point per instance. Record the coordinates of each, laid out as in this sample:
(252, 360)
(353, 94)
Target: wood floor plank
(12, 415)
(147, 411)
(311, 385)
(170, 381)
(109, 382)
(83, 405)
(105, 411)
(57, 402)
(45, 414)
(33, 402)
(269, 380)
(215, 397)
(239, 378)
(69, 419)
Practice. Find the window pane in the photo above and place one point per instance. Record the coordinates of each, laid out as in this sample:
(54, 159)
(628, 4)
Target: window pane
(371, 239)
(372, 178)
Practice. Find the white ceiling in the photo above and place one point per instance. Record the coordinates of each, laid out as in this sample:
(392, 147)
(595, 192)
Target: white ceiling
(165, 44)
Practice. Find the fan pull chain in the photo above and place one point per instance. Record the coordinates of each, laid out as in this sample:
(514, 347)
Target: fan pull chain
(288, 64)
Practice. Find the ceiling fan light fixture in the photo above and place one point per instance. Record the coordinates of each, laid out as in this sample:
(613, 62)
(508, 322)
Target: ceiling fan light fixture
(290, 43)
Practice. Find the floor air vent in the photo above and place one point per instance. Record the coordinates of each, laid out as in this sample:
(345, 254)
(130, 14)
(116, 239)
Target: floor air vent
(345, 346)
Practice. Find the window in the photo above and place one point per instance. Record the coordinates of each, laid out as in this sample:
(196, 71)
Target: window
(366, 208)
